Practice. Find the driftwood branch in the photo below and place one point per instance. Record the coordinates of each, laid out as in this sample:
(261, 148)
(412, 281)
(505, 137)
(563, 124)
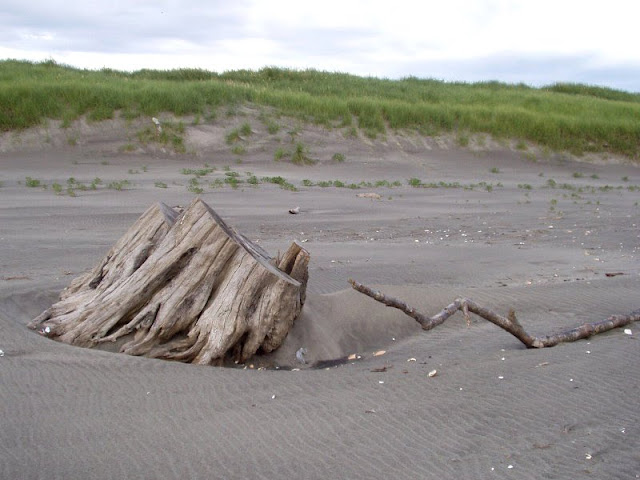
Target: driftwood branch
(509, 323)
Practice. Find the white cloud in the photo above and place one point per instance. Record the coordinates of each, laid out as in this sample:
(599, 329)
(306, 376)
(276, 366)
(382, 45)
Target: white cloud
(533, 42)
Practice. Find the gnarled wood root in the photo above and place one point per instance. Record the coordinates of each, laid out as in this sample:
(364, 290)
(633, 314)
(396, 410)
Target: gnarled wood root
(183, 287)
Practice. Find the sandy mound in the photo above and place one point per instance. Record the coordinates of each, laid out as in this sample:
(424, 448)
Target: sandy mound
(485, 224)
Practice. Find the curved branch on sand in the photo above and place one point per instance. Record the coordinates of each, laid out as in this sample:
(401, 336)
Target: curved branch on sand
(509, 323)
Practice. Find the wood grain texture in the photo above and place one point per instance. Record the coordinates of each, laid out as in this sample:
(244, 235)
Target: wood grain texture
(183, 287)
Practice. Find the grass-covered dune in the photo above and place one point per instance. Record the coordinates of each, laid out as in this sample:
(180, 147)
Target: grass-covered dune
(573, 117)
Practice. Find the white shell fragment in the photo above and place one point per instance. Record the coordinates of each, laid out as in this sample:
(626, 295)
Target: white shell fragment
(412, 359)
(628, 331)
(588, 456)
(379, 352)
(300, 355)
(375, 196)
(432, 373)
(1, 353)
(295, 210)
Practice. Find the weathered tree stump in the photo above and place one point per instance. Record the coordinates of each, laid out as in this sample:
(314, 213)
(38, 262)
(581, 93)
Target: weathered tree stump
(183, 287)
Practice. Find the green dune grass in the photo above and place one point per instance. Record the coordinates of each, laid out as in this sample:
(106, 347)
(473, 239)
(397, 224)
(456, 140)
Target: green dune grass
(573, 117)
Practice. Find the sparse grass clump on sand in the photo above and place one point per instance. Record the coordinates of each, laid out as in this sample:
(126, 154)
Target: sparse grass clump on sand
(118, 185)
(280, 181)
(575, 118)
(169, 134)
(32, 182)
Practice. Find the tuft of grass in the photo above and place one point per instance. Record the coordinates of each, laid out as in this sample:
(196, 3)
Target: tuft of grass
(32, 182)
(300, 155)
(280, 154)
(198, 172)
(521, 145)
(351, 132)
(245, 129)
(238, 150)
(414, 182)
(235, 135)
(280, 181)
(118, 185)
(160, 185)
(578, 175)
(194, 186)
(462, 139)
(170, 134)
(233, 181)
(272, 127)
(495, 170)
(338, 157)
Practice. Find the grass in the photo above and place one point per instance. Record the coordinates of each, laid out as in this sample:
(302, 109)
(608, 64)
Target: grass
(280, 154)
(171, 134)
(32, 182)
(238, 150)
(198, 172)
(562, 117)
(300, 155)
(118, 185)
(284, 184)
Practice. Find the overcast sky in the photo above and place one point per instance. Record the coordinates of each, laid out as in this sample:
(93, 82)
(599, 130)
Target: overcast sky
(535, 42)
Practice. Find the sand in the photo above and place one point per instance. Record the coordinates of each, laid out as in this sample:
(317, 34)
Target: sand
(494, 409)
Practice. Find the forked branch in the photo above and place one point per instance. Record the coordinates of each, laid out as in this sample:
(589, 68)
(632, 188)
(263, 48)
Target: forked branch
(509, 323)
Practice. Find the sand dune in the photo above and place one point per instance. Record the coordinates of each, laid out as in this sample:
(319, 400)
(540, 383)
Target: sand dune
(493, 410)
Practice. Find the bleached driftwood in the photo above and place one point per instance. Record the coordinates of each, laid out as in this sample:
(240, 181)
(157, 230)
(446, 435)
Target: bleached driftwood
(183, 287)
(509, 323)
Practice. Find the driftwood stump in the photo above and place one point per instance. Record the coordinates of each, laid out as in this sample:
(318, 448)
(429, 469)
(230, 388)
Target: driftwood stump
(183, 287)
